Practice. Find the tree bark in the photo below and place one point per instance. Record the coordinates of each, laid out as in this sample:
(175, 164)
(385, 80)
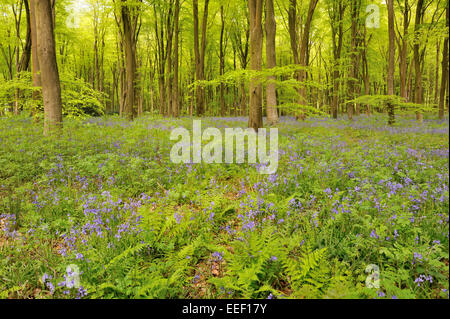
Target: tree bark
(365, 68)
(26, 54)
(354, 68)
(160, 56)
(336, 17)
(200, 54)
(51, 88)
(293, 36)
(271, 91)
(242, 50)
(129, 39)
(35, 61)
(170, 29)
(256, 43)
(175, 89)
(391, 64)
(403, 52)
(444, 79)
(304, 53)
(418, 96)
(222, 62)
(436, 75)
(23, 63)
(293, 33)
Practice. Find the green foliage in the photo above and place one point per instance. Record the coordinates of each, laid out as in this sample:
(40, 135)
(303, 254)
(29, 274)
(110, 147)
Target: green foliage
(105, 197)
(381, 101)
(78, 98)
(285, 81)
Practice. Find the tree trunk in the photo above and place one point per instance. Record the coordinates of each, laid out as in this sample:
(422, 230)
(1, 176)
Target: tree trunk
(403, 53)
(256, 42)
(22, 64)
(51, 88)
(293, 34)
(160, 56)
(26, 54)
(337, 14)
(96, 76)
(304, 53)
(354, 68)
(444, 80)
(365, 68)
(130, 61)
(168, 102)
(436, 75)
(391, 64)
(175, 90)
(242, 50)
(222, 62)
(271, 91)
(418, 97)
(200, 54)
(122, 77)
(34, 54)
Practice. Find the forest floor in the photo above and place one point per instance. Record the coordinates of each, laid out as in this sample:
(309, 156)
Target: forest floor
(349, 201)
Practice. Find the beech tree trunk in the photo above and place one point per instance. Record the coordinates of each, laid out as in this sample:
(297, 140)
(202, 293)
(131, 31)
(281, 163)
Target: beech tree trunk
(242, 50)
(23, 62)
(160, 56)
(403, 52)
(199, 50)
(170, 27)
(271, 92)
(34, 54)
(51, 88)
(222, 62)
(293, 34)
(26, 54)
(175, 89)
(256, 42)
(130, 60)
(391, 64)
(418, 99)
(352, 81)
(304, 53)
(336, 16)
(444, 80)
(365, 67)
(436, 75)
